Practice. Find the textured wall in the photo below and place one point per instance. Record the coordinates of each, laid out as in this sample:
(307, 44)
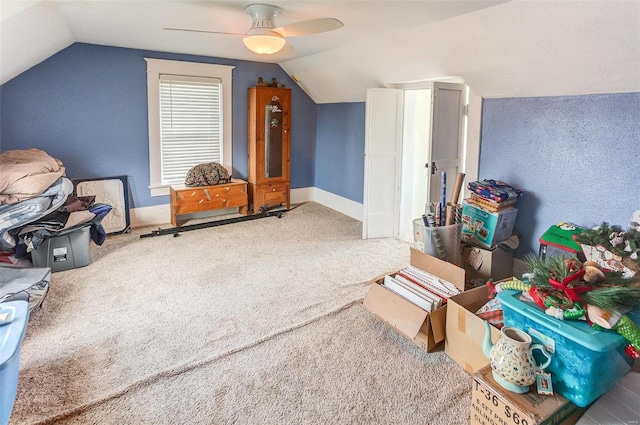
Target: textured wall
(576, 158)
(339, 164)
(87, 106)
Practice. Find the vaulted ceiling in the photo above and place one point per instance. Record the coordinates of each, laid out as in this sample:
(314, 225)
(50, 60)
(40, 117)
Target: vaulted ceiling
(499, 48)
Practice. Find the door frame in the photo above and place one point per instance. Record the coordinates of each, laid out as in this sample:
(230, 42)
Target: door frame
(470, 154)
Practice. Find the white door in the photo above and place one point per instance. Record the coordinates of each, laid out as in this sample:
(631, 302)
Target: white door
(382, 162)
(447, 138)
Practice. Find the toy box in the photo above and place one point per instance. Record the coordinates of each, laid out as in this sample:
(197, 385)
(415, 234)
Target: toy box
(585, 362)
(13, 324)
(558, 240)
(488, 227)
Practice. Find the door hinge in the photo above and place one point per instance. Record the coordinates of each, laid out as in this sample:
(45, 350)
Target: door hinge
(466, 110)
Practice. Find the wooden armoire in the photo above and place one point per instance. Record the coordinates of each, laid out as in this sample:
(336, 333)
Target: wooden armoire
(269, 147)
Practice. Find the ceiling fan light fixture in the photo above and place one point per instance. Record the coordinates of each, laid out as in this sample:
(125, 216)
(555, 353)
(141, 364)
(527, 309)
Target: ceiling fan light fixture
(264, 38)
(264, 44)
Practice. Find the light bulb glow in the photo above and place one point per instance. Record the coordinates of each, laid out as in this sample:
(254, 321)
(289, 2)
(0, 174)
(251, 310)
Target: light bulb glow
(264, 44)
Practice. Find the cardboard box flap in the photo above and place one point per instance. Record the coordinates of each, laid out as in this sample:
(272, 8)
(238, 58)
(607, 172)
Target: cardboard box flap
(447, 271)
(400, 313)
(465, 331)
(438, 320)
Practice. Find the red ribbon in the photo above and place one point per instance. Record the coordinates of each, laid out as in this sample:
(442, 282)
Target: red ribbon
(537, 296)
(572, 292)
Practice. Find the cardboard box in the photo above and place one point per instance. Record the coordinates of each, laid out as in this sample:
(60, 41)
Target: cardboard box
(465, 331)
(425, 330)
(491, 404)
(482, 263)
(488, 227)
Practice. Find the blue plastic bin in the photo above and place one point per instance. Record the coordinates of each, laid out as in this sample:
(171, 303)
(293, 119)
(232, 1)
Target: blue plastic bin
(585, 362)
(11, 336)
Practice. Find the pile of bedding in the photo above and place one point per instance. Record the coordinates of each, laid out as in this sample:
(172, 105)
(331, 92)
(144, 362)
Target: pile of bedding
(26, 174)
(36, 202)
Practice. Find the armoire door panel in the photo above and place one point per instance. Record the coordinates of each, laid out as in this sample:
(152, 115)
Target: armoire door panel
(269, 146)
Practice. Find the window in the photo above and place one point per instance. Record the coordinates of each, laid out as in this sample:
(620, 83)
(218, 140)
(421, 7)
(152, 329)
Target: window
(189, 119)
(190, 124)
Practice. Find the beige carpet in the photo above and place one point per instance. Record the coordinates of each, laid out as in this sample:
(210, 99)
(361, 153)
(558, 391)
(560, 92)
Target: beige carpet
(259, 322)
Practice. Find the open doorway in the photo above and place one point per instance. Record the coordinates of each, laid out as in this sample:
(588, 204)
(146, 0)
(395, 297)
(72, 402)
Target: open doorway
(434, 142)
(415, 155)
(413, 134)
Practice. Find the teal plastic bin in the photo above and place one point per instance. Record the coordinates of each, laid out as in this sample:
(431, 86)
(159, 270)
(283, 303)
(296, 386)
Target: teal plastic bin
(11, 335)
(585, 362)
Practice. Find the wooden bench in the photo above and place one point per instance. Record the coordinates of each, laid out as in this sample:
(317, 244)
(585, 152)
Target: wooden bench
(187, 200)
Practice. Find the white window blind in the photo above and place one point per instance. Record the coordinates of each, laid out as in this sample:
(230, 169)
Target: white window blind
(190, 124)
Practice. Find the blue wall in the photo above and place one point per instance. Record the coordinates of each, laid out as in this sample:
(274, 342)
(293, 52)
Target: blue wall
(575, 157)
(339, 167)
(87, 106)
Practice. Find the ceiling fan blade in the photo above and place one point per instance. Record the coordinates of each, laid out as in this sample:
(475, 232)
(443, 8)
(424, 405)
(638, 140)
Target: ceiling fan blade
(313, 26)
(203, 31)
(287, 50)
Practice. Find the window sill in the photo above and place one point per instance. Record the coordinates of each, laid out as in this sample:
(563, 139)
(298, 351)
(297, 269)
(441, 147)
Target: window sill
(159, 191)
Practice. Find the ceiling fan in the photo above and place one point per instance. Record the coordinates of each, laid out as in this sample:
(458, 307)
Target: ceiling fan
(265, 38)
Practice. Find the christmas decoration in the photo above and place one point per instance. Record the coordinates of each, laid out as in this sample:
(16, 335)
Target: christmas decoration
(624, 245)
(570, 290)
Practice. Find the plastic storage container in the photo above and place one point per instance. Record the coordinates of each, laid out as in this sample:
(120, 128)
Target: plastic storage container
(63, 252)
(424, 239)
(585, 362)
(11, 335)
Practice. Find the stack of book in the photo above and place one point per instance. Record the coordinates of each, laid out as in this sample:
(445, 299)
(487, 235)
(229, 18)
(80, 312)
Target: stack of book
(425, 290)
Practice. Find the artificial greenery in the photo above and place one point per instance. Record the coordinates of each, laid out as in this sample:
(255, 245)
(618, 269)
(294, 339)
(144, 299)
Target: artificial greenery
(615, 293)
(614, 298)
(624, 243)
(550, 267)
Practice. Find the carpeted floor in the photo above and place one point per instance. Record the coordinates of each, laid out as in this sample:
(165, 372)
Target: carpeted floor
(259, 322)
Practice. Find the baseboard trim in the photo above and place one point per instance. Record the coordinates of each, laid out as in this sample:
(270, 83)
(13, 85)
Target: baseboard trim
(150, 216)
(160, 214)
(302, 195)
(338, 203)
